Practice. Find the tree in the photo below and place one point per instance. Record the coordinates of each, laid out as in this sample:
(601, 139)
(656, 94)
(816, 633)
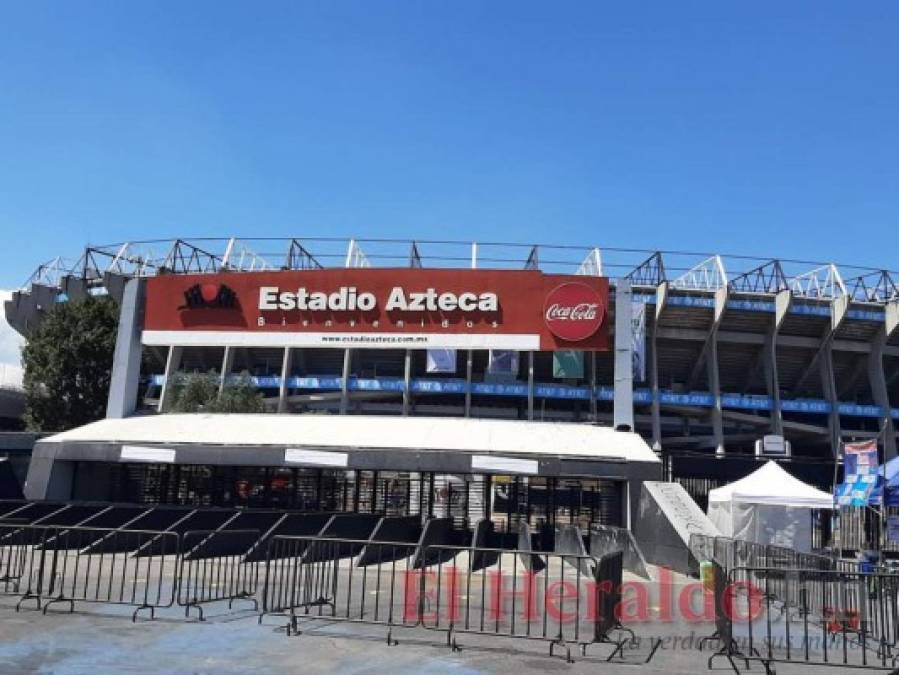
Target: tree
(239, 395)
(199, 392)
(192, 392)
(68, 361)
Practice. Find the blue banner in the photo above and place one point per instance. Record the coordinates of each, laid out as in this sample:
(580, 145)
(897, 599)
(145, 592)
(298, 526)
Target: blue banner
(860, 474)
(642, 396)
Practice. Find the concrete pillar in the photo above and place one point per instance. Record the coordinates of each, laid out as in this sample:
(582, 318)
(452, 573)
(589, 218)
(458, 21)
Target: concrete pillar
(782, 302)
(407, 381)
(624, 358)
(824, 360)
(286, 364)
(48, 478)
(829, 386)
(530, 385)
(661, 302)
(881, 396)
(468, 367)
(345, 381)
(714, 379)
(172, 364)
(125, 376)
(891, 317)
(715, 386)
(227, 367)
(771, 383)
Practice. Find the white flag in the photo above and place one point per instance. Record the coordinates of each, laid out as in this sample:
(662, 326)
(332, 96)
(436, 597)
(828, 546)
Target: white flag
(502, 362)
(441, 361)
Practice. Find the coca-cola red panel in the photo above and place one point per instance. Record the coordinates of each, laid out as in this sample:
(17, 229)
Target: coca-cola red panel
(573, 311)
(559, 311)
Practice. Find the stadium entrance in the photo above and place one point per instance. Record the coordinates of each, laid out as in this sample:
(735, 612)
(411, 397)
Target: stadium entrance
(506, 500)
(467, 395)
(505, 471)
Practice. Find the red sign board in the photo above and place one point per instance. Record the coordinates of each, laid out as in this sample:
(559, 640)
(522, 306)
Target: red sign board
(379, 308)
(573, 311)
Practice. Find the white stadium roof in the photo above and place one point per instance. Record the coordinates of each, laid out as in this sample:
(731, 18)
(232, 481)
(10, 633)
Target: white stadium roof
(364, 431)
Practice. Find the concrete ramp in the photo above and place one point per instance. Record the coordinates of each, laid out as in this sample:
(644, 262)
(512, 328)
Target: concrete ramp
(399, 530)
(569, 541)
(529, 560)
(483, 537)
(668, 516)
(353, 526)
(9, 484)
(605, 539)
(436, 532)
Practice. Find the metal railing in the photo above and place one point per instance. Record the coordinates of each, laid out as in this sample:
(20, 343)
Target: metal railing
(564, 599)
(646, 268)
(320, 577)
(145, 569)
(48, 564)
(732, 553)
(213, 568)
(844, 619)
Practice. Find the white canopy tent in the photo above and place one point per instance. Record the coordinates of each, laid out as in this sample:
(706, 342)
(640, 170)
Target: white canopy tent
(769, 506)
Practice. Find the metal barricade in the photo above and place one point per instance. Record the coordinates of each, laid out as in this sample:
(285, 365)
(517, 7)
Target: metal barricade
(564, 599)
(732, 553)
(723, 634)
(702, 547)
(746, 553)
(213, 569)
(815, 617)
(14, 556)
(319, 577)
(559, 598)
(51, 564)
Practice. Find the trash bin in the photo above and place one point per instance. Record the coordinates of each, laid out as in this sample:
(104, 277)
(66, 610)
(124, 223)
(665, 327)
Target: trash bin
(707, 575)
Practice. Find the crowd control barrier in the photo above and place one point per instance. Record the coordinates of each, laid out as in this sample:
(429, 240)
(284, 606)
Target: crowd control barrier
(212, 568)
(321, 577)
(144, 569)
(732, 553)
(820, 618)
(569, 603)
(559, 598)
(47, 564)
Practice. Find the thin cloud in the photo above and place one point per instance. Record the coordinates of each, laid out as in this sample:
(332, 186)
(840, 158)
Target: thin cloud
(10, 348)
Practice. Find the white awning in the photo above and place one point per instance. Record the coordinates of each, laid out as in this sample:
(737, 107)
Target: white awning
(771, 484)
(366, 431)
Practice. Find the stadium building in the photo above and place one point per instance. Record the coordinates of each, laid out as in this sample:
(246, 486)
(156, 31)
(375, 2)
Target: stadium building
(516, 383)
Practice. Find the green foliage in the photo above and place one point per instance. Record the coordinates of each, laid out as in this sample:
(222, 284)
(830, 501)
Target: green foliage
(191, 392)
(199, 392)
(68, 361)
(239, 396)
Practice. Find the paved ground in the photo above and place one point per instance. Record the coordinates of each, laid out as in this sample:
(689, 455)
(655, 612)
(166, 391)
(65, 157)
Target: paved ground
(102, 640)
(234, 643)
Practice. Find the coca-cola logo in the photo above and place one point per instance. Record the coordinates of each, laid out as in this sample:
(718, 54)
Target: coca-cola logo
(573, 311)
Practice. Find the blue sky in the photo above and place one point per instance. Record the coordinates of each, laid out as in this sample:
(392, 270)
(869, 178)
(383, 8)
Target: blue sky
(762, 128)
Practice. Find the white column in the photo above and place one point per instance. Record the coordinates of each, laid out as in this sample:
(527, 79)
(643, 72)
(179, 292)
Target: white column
(468, 367)
(172, 363)
(624, 358)
(530, 385)
(285, 374)
(344, 385)
(407, 381)
(227, 365)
